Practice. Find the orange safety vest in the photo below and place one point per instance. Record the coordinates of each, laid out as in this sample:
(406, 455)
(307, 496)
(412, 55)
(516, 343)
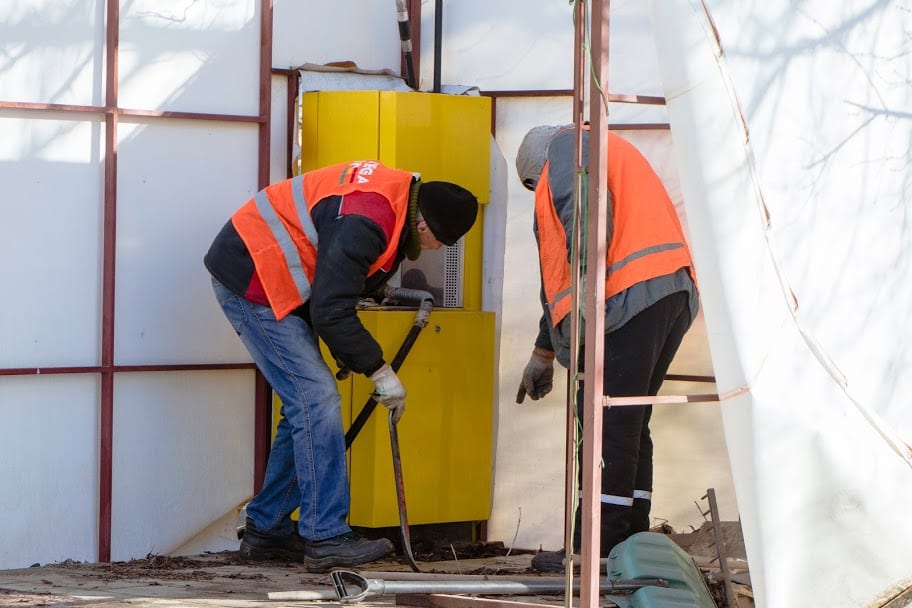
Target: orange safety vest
(647, 239)
(280, 235)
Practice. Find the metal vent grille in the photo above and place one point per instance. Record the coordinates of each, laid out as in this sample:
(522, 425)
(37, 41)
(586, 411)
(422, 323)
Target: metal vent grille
(452, 285)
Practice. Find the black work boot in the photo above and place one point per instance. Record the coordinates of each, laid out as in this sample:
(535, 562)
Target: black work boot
(259, 546)
(612, 519)
(345, 550)
(549, 561)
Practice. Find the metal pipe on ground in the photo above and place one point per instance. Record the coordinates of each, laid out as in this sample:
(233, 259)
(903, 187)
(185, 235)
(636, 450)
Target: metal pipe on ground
(391, 575)
(350, 587)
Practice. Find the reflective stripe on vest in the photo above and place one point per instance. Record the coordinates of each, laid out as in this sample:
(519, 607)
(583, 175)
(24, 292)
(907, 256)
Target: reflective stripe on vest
(278, 230)
(552, 251)
(561, 304)
(283, 238)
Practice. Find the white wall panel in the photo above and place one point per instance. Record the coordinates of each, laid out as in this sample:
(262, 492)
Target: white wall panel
(629, 113)
(800, 118)
(279, 133)
(48, 469)
(50, 235)
(51, 51)
(183, 456)
(178, 183)
(509, 44)
(363, 31)
(529, 446)
(199, 56)
(519, 44)
(833, 154)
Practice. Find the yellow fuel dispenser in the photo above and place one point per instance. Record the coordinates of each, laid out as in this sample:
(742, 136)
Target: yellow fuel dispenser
(445, 436)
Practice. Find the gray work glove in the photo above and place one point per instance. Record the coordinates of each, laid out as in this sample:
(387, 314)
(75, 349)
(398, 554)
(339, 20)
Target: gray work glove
(388, 390)
(538, 377)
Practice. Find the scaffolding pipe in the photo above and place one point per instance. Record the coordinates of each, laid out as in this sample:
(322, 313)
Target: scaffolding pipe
(438, 42)
(350, 587)
(405, 40)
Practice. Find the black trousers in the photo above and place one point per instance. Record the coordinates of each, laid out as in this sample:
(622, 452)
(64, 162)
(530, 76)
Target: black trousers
(637, 356)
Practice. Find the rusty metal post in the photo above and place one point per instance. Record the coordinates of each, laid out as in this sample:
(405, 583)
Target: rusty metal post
(596, 247)
(106, 431)
(571, 497)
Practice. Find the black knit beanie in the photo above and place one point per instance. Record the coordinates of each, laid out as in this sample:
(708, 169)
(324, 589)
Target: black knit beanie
(448, 209)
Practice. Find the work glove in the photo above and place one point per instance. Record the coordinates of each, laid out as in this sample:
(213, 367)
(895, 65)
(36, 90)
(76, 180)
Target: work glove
(343, 372)
(538, 377)
(388, 390)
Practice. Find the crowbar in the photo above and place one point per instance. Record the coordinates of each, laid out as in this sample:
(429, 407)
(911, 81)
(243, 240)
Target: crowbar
(400, 494)
(421, 319)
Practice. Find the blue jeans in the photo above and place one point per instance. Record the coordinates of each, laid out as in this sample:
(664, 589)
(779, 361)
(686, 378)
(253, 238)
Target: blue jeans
(306, 465)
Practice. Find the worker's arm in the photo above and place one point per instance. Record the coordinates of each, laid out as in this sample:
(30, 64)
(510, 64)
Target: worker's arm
(538, 375)
(561, 180)
(353, 234)
(348, 246)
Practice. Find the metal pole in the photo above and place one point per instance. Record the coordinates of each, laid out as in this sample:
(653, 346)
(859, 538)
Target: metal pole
(350, 587)
(405, 39)
(438, 42)
(571, 496)
(109, 253)
(720, 548)
(594, 304)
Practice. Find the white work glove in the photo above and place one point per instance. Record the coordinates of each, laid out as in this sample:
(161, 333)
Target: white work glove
(388, 390)
(538, 377)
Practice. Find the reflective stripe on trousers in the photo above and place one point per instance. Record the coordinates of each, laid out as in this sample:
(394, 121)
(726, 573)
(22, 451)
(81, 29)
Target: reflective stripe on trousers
(623, 501)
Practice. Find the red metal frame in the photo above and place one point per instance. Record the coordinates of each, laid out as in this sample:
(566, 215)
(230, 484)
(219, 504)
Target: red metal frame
(612, 97)
(112, 117)
(107, 369)
(112, 40)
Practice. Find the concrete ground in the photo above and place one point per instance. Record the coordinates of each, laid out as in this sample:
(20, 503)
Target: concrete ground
(204, 581)
(224, 580)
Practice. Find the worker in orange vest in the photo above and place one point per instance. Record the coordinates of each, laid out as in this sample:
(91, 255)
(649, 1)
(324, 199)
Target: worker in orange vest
(650, 301)
(289, 267)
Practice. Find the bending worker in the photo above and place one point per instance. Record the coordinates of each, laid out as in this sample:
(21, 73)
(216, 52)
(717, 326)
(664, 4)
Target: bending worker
(650, 302)
(289, 267)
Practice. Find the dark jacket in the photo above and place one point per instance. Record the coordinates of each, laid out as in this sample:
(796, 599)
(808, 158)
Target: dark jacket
(349, 244)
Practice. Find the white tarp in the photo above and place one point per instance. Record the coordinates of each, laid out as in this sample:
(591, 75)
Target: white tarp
(816, 396)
